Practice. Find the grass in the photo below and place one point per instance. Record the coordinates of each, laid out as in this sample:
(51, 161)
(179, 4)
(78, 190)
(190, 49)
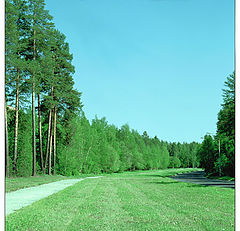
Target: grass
(15, 183)
(130, 201)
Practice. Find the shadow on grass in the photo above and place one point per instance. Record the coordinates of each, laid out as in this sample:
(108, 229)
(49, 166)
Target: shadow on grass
(155, 176)
(151, 175)
(163, 182)
(192, 185)
(215, 185)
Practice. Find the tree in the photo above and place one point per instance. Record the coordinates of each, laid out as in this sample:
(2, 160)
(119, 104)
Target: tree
(226, 116)
(37, 62)
(193, 154)
(165, 157)
(226, 127)
(207, 154)
(16, 23)
(64, 97)
(174, 162)
(40, 24)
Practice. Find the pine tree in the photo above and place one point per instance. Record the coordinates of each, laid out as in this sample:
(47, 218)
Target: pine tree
(61, 97)
(226, 116)
(40, 24)
(226, 127)
(16, 23)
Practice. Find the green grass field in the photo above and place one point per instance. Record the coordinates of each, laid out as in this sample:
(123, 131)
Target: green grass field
(130, 201)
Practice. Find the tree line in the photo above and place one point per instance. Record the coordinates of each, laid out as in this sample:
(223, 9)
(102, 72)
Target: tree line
(46, 129)
(38, 73)
(217, 153)
(99, 147)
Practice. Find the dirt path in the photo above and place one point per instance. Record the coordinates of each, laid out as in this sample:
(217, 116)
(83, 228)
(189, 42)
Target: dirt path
(24, 197)
(199, 178)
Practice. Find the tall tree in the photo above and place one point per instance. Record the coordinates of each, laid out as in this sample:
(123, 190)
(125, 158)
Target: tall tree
(207, 154)
(16, 24)
(40, 23)
(9, 53)
(226, 127)
(64, 97)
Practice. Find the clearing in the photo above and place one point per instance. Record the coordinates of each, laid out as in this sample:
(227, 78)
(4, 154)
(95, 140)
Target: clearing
(148, 200)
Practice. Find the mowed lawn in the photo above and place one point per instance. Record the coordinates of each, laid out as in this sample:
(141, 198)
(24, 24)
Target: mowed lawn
(130, 201)
(15, 183)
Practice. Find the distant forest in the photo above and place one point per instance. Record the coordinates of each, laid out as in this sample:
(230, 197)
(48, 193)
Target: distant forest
(47, 131)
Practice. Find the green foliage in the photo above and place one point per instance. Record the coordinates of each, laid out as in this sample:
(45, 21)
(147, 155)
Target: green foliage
(101, 147)
(165, 158)
(209, 150)
(207, 153)
(185, 153)
(24, 161)
(174, 162)
(226, 127)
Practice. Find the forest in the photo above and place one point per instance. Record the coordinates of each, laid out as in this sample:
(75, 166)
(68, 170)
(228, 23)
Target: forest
(47, 131)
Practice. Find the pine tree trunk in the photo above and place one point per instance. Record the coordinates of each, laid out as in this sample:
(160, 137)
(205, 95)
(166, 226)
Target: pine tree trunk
(48, 140)
(50, 154)
(33, 129)
(49, 135)
(16, 124)
(54, 139)
(40, 132)
(33, 104)
(6, 144)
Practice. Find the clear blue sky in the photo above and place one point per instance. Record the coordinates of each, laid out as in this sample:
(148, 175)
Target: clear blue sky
(158, 65)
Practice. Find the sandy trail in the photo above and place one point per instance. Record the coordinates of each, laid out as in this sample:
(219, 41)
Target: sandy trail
(24, 197)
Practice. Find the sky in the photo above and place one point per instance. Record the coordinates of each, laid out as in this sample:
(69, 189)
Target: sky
(158, 65)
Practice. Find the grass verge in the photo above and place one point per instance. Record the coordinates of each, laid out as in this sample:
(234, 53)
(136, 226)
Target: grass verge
(130, 201)
(15, 183)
